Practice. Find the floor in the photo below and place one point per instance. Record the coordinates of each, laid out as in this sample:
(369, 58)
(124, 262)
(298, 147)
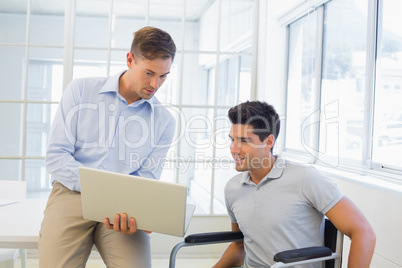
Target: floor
(156, 263)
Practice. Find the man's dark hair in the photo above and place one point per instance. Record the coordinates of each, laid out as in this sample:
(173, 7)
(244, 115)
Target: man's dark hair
(152, 43)
(260, 115)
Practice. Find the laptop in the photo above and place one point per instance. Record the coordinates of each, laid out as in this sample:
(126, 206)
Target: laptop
(157, 206)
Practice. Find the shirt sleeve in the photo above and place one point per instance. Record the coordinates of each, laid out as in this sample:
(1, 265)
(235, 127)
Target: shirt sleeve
(320, 191)
(60, 163)
(154, 163)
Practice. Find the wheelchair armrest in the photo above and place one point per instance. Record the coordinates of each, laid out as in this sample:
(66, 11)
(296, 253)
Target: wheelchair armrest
(301, 254)
(204, 239)
(214, 237)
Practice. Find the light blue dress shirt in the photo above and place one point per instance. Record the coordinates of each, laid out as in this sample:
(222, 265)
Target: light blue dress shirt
(95, 127)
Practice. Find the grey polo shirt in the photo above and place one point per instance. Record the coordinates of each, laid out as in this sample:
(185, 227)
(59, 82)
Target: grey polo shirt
(284, 211)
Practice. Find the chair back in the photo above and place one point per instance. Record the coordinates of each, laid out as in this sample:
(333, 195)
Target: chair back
(333, 239)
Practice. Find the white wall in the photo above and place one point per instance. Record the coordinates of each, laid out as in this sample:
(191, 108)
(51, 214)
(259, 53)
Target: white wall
(381, 205)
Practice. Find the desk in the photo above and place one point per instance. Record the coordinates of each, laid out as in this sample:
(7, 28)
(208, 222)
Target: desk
(20, 223)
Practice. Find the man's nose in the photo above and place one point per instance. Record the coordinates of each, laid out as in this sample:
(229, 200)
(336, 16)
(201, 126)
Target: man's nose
(155, 82)
(234, 147)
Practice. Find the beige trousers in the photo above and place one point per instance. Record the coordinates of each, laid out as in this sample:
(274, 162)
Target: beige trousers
(66, 239)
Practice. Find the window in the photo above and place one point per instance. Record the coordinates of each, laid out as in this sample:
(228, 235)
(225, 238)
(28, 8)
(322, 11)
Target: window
(387, 136)
(343, 73)
(212, 72)
(331, 96)
(301, 103)
(31, 72)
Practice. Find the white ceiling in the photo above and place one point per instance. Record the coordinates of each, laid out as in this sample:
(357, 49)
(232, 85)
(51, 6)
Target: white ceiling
(167, 9)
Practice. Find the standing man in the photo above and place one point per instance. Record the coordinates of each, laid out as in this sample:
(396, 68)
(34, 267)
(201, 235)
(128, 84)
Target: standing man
(279, 205)
(111, 123)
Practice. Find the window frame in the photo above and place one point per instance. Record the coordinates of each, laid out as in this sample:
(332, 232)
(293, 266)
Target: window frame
(239, 48)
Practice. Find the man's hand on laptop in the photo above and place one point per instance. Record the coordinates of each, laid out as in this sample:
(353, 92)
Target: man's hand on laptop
(122, 226)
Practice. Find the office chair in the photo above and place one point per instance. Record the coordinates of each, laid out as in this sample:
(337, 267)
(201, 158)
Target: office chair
(331, 253)
(12, 190)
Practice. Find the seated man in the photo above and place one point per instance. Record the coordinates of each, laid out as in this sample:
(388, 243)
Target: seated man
(279, 205)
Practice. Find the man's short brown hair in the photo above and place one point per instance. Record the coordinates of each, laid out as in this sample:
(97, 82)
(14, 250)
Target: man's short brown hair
(152, 43)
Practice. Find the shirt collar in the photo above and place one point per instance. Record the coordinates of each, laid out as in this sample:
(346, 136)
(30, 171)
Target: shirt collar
(112, 85)
(152, 101)
(275, 173)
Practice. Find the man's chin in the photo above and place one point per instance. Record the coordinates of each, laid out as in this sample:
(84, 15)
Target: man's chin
(240, 168)
(147, 96)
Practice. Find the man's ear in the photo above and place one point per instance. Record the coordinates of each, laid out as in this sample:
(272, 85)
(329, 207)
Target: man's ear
(130, 59)
(269, 141)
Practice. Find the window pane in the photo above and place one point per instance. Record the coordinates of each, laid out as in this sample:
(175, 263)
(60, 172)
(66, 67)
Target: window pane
(92, 24)
(234, 80)
(17, 17)
(10, 169)
(47, 28)
(208, 32)
(196, 143)
(221, 135)
(11, 132)
(223, 173)
(236, 24)
(199, 32)
(343, 79)
(128, 17)
(45, 74)
(198, 87)
(38, 180)
(11, 73)
(191, 34)
(167, 16)
(228, 86)
(301, 83)
(387, 142)
(198, 176)
(118, 61)
(177, 113)
(39, 118)
(169, 172)
(89, 63)
(244, 79)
